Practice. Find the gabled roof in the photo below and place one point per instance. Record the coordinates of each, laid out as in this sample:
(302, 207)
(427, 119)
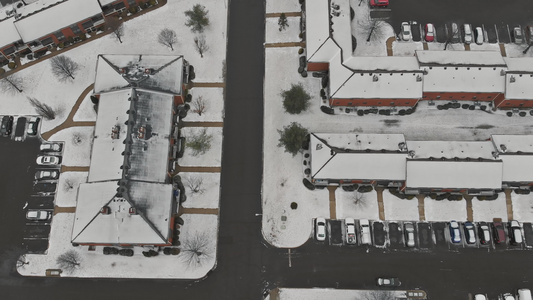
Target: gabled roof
(162, 73)
(451, 149)
(9, 34)
(148, 225)
(517, 168)
(47, 16)
(513, 143)
(317, 26)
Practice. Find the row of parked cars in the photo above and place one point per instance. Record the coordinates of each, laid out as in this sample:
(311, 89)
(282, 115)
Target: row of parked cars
(464, 33)
(6, 126)
(521, 294)
(484, 233)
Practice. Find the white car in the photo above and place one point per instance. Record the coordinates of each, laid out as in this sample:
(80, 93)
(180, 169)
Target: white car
(33, 126)
(38, 215)
(320, 229)
(405, 31)
(479, 36)
(350, 231)
(455, 233)
(47, 160)
(365, 232)
(518, 37)
(468, 33)
(44, 174)
(50, 147)
(409, 229)
(515, 232)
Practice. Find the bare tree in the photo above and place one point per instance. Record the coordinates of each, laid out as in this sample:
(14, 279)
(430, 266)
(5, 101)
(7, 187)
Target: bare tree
(77, 138)
(12, 84)
(379, 295)
(69, 185)
(116, 26)
(201, 44)
(359, 199)
(374, 29)
(200, 142)
(195, 250)
(69, 261)
(167, 37)
(63, 67)
(199, 105)
(452, 35)
(42, 109)
(195, 184)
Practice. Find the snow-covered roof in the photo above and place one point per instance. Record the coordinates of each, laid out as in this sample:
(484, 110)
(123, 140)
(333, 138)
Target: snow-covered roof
(331, 157)
(383, 64)
(152, 203)
(519, 64)
(454, 174)
(513, 143)
(517, 168)
(342, 29)
(464, 79)
(9, 33)
(317, 26)
(107, 157)
(162, 73)
(451, 149)
(54, 17)
(460, 58)
(36, 6)
(519, 86)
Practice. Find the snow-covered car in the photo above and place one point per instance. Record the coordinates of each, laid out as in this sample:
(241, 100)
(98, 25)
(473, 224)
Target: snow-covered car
(350, 231)
(45, 174)
(480, 297)
(455, 233)
(467, 28)
(470, 235)
(409, 230)
(47, 160)
(388, 281)
(320, 229)
(51, 147)
(33, 126)
(38, 215)
(6, 125)
(365, 232)
(518, 37)
(405, 31)
(506, 296)
(484, 233)
(515, 232)
(478, 34)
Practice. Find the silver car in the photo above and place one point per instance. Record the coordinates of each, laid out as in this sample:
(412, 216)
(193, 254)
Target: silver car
(409, 230)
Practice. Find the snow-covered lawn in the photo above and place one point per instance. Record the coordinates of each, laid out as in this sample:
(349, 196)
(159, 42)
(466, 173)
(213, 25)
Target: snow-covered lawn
(67, 188)
(207, 186)
(486, 210)
(522, 207)
(86, 110)
(77, 147)
(400, 209)
(213, 98)
(211, 158)
(283, 6)
(95, 264)
(289, 34)
(367, 208)
(406, 48)
(444, 210)
(514, 50)
(361, 25)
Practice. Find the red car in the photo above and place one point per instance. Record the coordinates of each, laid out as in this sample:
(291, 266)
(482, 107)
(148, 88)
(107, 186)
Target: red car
(498, 232)
(429, 32)
(379, 3)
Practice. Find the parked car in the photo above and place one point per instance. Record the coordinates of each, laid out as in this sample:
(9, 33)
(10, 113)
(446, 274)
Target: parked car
(498, 232)
(455, 34)
(33, 126)
(350, 231)
(506, 296)
(409, 231)
(515, 232)
(524, 294)
(529, 34)
(480, 297)
(455, 233)
(517, 34)
(365, 232)
(47, 160)
(38, 215)
(484, 233)
(320, 229)
(406, 31)
(45, 188)
(470, 234)
(468, 38)
(6, 125)
(379, 3)
(388, 281)
(125, 252)
(51, 147)
(478, 35)
(429, 32)
(46, 174)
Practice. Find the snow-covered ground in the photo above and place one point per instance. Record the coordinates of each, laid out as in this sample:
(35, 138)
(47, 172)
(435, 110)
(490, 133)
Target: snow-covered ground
(365, 208)
(274, 35)
(486, 210)
(212, 157)
(522, 207)
(338, 294)
(400, 209)
(140, 38)
(207, 186)
(214, 105)
(445, 210)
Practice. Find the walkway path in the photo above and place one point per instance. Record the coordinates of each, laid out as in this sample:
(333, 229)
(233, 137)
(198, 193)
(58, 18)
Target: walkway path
(74, 169)
(502, 50)
(287, 14)
(332, 202)
(198, 211)
(381, 206)
(389, 42)
(469, 210)
(69, 121)
(60, 209)
(180, 169)
(207, 84)
(202, 124)
(421, 208)
(509, 203)
(281, 45)
(78, 44)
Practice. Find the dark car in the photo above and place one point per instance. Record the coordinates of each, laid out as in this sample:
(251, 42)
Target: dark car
(498, 232)
(7, 125)
(484, 233)
(45, 188)
(388, 281)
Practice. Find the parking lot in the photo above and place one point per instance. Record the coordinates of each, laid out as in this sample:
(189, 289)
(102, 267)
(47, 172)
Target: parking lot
(496, 18)
(28, 200)
(428, 236)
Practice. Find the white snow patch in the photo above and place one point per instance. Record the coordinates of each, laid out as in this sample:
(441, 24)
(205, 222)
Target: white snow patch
(290, 34)
(346, 208)
(444, 210)
(400, 209)
(212, 157)
(486, 210)
(522, 207)
(209, 193)
(406, 48)
(86, 110)
(282, 6)
(67, 188)
(214, 103)
(75, 153)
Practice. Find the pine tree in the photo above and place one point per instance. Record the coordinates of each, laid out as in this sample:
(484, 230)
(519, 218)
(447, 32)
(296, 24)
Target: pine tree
(282, 22)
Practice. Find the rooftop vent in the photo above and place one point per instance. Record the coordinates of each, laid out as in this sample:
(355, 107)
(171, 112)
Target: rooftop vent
(133, 211)
(105, 210)
(495, 154)
(115, 132)
(411, 153)
(512, 79)
(503, 147)
(375, 78)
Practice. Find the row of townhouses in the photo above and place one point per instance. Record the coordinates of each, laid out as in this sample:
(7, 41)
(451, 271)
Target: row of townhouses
(394, 81)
